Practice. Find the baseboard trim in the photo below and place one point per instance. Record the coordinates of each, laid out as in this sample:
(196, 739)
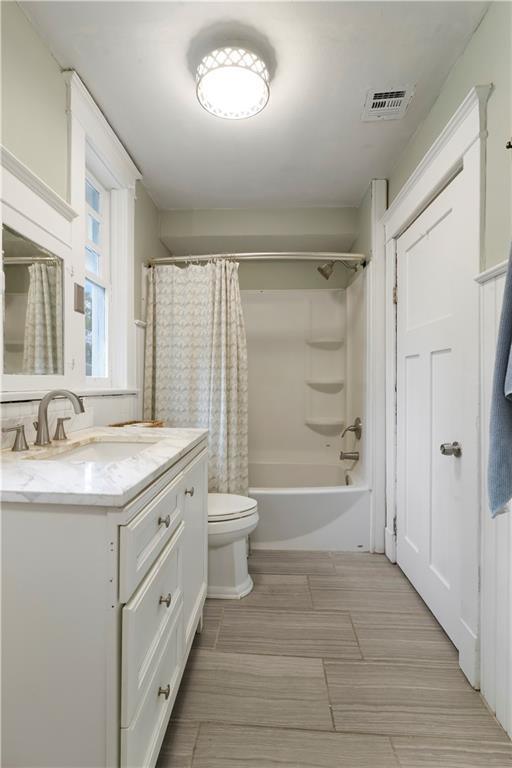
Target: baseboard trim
(390, 545)
(469, 655)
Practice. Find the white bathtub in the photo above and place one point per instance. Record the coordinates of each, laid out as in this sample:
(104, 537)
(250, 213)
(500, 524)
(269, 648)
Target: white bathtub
(309, 507)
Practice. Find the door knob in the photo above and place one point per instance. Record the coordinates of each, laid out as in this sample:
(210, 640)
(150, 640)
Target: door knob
(451, 449)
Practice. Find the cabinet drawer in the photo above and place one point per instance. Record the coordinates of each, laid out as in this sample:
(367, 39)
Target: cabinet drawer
(141, 741)
(143, 538)
(146, 620)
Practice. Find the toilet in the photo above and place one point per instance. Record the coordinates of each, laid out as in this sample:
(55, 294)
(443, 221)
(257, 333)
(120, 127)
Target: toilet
(231, 519)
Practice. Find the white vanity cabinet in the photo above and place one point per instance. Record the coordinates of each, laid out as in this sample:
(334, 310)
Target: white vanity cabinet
(100, 608)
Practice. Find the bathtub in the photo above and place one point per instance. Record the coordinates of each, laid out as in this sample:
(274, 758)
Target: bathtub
(309, 507)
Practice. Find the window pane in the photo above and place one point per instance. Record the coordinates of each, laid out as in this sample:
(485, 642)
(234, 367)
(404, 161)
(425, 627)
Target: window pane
(92, 196)
(93, 229)
(92, 260)
(95, 330)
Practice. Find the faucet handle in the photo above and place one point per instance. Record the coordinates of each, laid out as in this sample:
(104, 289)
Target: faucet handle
(20, 441)
(60, 432)
(356, 428)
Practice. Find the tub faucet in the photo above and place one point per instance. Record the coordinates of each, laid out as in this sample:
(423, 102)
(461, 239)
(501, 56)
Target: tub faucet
(356, 428)
(43, 436)
(349, 456)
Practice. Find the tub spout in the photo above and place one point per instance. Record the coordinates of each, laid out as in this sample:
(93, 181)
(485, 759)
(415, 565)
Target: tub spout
(349, 456)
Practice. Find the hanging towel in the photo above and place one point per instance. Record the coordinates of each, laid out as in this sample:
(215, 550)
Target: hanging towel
(500, 438)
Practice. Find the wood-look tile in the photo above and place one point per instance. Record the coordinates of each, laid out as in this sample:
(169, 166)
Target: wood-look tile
(407, 699)
(178, 745)
(254, 690)
(421, 619)
(369, 578)
(288, 633)
(276, 591)
(384, 678)
(395, 636)
(212, 615)
(450, 753)
(361, 560)
(329, 593)
(389, 575)
(276, 561)
(229, 746)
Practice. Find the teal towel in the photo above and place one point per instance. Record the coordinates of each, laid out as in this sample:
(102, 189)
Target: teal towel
(499, 477)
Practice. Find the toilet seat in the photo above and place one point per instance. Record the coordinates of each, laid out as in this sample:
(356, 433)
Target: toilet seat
(229, 506)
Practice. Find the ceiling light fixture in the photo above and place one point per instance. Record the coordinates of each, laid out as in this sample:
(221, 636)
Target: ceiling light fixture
(233, 83)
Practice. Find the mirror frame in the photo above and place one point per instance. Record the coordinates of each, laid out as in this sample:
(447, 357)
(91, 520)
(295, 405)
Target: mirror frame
(33, 210)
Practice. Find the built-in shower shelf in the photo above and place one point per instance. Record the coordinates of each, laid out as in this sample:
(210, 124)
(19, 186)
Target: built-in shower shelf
(329, 385)
(324, 423)
(327, 343)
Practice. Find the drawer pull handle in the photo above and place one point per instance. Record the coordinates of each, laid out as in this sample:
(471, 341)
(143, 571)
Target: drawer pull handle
(164, 521)
(166, 600)
(166, 692)
(189, 491)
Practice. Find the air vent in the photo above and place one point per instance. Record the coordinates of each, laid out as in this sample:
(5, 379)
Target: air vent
(389, 104)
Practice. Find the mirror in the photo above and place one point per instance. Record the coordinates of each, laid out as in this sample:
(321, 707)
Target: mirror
(33, 307)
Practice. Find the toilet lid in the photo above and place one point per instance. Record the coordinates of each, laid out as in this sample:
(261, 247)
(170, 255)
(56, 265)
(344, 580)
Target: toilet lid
(229, 506)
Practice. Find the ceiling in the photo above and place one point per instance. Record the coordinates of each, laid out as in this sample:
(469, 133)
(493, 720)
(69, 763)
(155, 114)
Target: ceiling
(309, 147)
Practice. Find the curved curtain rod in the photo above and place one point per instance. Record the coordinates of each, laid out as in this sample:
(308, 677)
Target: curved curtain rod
(265, 256)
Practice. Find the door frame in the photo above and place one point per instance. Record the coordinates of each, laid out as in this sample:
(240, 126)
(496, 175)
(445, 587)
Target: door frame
(460, 147)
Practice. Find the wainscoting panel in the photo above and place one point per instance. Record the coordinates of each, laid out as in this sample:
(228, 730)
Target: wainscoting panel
(496, 568)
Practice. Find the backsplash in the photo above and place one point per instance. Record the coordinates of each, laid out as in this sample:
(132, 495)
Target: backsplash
(100, 410)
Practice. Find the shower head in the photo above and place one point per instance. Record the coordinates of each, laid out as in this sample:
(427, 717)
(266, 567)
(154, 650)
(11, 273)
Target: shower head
(327, 269)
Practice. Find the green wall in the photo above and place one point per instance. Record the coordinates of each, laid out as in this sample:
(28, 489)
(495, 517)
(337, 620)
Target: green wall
(363, 242)
(146, 242)
(486, 59)
(34, 126)
(289, 275)
(34, 121)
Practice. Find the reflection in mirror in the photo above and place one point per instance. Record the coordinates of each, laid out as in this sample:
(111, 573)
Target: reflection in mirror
(33, 320)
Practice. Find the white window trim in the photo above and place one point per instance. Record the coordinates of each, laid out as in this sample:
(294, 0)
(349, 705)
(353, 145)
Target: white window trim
(32, 208)
(94, 146)
(101, 278)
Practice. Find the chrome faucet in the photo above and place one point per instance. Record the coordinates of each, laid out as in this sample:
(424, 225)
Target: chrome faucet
(43, 436)
(356, 428)
(349, 456)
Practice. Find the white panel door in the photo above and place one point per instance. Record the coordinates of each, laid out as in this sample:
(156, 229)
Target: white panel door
(437, 403)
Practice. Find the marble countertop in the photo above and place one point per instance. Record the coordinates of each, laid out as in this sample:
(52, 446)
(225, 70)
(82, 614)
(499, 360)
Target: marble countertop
(28, 478)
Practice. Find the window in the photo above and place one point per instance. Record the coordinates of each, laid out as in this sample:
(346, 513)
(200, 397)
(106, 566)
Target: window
(97, 277)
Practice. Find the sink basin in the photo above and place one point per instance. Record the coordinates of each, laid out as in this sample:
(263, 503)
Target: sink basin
(99, 451)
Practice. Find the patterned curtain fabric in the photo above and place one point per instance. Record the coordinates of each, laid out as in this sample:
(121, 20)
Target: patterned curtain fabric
(42, 348)
(196, 362)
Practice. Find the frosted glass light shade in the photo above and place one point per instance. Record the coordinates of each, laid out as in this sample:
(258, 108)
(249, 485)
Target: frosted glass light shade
(232, 83)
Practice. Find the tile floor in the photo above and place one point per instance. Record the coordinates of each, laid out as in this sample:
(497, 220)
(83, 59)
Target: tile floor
(333, 661)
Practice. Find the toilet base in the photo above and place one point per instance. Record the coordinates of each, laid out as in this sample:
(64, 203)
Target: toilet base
(231, 593)
(228, 575)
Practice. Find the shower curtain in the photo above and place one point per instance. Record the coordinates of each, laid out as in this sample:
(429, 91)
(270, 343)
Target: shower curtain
(196, 362)
(42, 343)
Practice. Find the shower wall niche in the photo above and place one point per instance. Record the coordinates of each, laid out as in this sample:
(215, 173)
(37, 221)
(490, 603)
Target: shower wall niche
(297, 374)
